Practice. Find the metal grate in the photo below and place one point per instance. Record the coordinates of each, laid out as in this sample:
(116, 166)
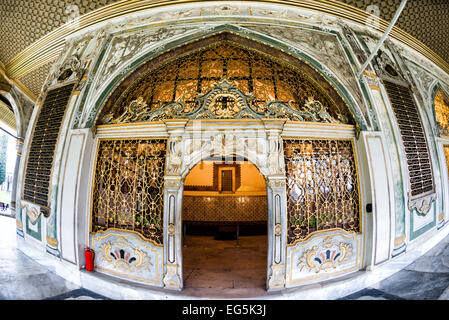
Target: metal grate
(43, 145)
(413, 139)
(322, 187)
(129, 186)
(261, 78)
(442, 112)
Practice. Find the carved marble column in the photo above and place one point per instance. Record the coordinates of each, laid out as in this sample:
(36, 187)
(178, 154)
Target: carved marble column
(277, 228)
(277, 207)
(172, 233)
(172, 206)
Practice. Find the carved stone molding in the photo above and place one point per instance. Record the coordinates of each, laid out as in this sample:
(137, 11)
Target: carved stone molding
(422, 204)
(171, 277)
(174, 156)
(277, 278)
(276, 183)
(226, 144)
(326, 256)
(31, 211)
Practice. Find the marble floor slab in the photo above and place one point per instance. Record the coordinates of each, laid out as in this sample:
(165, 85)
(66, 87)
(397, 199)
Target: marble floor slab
(427, 278)
(218, 269)
(22, 278)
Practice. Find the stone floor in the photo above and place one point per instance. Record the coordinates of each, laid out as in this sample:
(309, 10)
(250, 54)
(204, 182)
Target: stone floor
(21, 278)
(425, 279)
(225, 268)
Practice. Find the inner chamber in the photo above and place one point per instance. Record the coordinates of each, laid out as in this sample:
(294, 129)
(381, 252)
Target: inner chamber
(224, 225)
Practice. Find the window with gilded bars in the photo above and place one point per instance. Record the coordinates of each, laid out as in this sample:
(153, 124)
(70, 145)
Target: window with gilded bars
(39, 165)
(442, 112)
(322, 187)
(129, 186)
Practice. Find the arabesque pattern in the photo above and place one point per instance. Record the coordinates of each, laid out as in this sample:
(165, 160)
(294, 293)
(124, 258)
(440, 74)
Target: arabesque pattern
(442, 112)
(228, 80)
(128, 186)
(322, 187)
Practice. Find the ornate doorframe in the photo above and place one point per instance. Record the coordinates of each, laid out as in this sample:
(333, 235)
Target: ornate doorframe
(260, 142)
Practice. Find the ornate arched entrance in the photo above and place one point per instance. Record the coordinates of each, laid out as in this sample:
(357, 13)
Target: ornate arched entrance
(221, 96)
(224, 217)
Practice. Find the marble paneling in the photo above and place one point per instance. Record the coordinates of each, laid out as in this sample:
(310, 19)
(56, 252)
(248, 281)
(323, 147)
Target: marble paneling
(322, 256)
(127, 255)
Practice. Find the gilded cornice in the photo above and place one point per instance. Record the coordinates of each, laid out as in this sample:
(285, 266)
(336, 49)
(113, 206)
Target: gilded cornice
(47, 48)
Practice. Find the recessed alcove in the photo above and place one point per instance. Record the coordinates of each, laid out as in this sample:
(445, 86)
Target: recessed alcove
(224, 227)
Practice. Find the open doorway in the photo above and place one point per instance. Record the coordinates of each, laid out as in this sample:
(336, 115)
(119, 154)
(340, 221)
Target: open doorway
(225, 227)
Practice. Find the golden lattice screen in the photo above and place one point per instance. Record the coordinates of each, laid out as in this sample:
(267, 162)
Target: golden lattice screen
(129, 186)
(322, 187)
(442, 112)
(260, 77)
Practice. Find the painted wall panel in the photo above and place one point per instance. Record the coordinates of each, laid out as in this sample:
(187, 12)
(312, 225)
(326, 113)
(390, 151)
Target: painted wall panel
(68, 198)
(381, 198)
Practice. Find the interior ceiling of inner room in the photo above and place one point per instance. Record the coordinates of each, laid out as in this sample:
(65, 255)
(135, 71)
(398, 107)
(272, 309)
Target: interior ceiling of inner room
(25, 21)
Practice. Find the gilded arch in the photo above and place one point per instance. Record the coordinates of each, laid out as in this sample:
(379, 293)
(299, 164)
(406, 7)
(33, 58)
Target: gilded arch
(307, 96)
(319, 100)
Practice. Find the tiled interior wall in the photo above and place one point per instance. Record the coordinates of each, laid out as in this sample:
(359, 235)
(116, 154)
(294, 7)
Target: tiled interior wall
(225, 208)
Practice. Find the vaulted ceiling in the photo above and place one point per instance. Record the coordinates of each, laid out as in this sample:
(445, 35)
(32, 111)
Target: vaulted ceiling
(26, 21)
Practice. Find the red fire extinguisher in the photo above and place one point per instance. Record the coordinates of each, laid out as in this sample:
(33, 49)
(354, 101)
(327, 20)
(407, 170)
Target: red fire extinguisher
(89, 255)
